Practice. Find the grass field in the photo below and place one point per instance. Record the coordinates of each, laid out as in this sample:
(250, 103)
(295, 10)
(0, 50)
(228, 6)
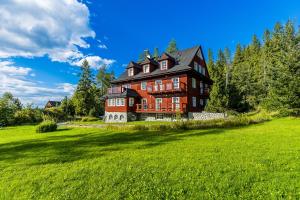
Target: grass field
(257, 161)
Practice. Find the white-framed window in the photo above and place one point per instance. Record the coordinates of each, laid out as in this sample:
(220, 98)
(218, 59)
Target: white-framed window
(111, 102)
(176, 102)
(193, 82)
(143, 85)
(146, 68)
(126, 86)
(130, 72)
(175, 81)
(164, 65)
(120, 102)
(158, 85)
(131, 101)
(194, 99)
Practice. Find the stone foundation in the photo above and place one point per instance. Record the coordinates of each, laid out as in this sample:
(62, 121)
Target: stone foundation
(115, 117)
(205, 115)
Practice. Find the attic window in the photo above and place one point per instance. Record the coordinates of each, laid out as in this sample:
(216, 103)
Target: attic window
(146, 68)
(164, 65)
(130, 72)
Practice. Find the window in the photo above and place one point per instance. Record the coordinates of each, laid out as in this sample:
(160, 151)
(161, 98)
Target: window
(194, 101)
(176, 103)
(158, 102)
(146, 68)
(130, 72)
(122, 117)
(193, 82)
(126, 86)
(120, 101)
(195, 66)
(158, 85)
(164, 65)
(131, 101)
(203, 71)
(110, 117)
(143, 85)
(175, 82)
(201, 102)
(111, 102)
(115, 117)
(201, 87)
(144, 104)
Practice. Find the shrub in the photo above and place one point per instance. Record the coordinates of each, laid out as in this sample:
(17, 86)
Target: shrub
(55, 114)
(46, 126)
(89, 119)
(28, 116)
(140, 128)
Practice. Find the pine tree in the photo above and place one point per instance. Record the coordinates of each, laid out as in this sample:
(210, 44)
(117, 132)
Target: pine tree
(172, 47)
(83, 97)
(218, 96)
(155, 53)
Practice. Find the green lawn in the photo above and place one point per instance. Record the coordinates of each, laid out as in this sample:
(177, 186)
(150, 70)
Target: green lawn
(258, 161)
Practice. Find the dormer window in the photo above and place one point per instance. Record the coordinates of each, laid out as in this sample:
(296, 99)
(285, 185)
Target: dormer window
(130, 72)
(146, 68)
(164, 65)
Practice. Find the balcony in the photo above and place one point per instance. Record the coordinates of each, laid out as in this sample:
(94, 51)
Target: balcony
(115, 90)
(166, 88)
(161, 108)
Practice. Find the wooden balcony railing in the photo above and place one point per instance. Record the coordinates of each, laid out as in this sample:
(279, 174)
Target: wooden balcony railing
(115, 90)
(162, 107)
(166, 87)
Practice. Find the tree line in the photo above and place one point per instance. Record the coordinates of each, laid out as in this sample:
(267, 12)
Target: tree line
(262, 74)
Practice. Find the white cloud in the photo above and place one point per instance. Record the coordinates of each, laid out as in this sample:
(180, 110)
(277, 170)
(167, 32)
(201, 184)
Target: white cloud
(14, 79)
(102, 46)
(35, 28)
(95, 61)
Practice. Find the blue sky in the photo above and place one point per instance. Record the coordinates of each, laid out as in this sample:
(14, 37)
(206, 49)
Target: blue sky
(44, 43)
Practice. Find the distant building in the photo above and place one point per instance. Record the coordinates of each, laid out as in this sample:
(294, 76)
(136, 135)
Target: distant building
(170, 85)
(51, 104)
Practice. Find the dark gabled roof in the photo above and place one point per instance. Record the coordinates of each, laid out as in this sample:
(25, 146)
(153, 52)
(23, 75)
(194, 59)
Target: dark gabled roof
(133, 64)
(54, 103)
(127, 93)
(182, 61)
(166, 56)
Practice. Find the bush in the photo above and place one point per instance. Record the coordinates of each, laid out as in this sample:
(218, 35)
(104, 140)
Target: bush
(28, 116)
(46, 126)
(55, 114)
(89, 119)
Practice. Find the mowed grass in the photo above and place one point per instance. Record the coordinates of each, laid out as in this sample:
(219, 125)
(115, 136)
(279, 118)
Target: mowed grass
(258, 161)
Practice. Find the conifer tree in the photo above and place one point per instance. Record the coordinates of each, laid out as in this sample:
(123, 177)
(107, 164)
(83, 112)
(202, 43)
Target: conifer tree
(155, 53)
(172, 47)
(83, 97)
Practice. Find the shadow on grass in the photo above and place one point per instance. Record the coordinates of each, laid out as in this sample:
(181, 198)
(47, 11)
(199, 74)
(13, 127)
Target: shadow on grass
(92, 144)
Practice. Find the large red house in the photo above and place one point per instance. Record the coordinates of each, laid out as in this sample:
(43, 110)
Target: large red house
(160, 88)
